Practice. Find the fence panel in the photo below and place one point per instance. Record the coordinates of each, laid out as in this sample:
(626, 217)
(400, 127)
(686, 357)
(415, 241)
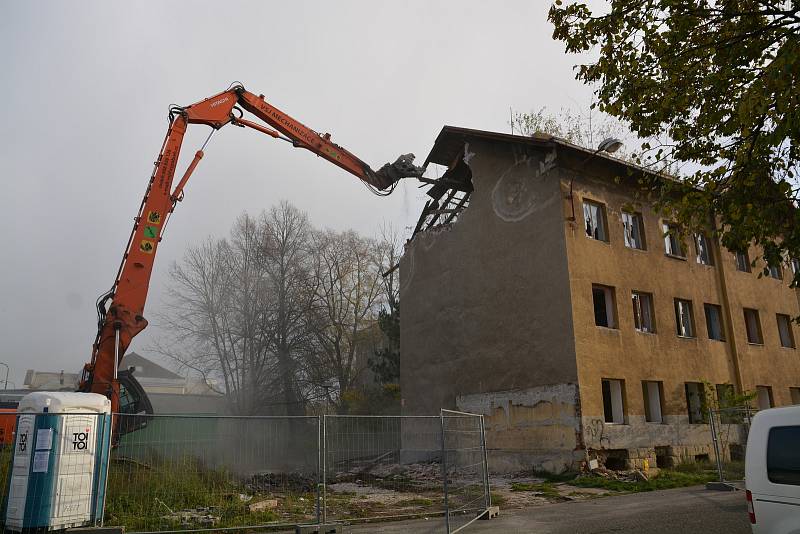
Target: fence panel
(197, 472)
(730, 428)
(193, 472)
(383, 467)
(466, 484)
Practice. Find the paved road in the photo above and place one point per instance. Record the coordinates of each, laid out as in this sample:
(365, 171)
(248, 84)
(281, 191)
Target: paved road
(684, 511)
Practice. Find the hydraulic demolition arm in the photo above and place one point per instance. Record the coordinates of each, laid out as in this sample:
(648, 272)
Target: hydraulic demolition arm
(120, 311)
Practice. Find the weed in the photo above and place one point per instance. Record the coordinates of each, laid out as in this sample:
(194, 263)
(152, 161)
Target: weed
(666, 479)
(545, 488)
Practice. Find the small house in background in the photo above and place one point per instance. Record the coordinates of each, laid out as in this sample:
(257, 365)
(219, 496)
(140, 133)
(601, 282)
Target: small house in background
(539, 290)
(169, 392)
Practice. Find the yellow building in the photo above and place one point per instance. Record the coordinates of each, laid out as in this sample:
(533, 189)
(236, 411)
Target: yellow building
(539, 292)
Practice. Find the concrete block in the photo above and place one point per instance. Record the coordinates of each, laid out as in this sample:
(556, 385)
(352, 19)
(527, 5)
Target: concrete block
(490, 513)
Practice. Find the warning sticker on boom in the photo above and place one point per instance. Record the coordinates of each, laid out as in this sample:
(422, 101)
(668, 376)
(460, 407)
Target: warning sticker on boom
(147, 246)
(154, 217)
(151, 231)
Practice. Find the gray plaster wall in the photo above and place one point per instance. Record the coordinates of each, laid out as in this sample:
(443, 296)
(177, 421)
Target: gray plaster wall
(486, 302)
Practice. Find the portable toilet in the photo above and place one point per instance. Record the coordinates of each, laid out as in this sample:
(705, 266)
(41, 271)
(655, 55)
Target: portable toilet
(60, 462)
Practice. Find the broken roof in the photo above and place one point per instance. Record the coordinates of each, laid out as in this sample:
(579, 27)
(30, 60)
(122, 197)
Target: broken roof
(450, 142)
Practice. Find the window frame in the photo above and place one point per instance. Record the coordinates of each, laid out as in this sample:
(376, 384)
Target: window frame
(648, 407)
(705, 247)
(770, 398)
(758, 331)
(636, 220)
(700, 392)
(672, 240)
(603, 219)
(717, 308)
(610, 298)
(621, 404)
(775, 272)
(679, 324)
(738, 256)
(789, 330)
(636, 302)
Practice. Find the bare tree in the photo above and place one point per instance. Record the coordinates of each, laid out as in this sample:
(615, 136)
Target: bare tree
(285, 233)
(347, 288)
(216, 314)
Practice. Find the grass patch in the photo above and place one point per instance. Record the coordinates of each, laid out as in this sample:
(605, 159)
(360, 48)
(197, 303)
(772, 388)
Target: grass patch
(151, 496)
(666, 479)
(545, 488)
(497, 499)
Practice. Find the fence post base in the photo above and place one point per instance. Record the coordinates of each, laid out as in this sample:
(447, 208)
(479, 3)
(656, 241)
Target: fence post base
(490, 513)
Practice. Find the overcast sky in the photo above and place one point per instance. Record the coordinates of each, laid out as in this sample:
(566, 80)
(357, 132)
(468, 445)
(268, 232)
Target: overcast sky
(85, 88)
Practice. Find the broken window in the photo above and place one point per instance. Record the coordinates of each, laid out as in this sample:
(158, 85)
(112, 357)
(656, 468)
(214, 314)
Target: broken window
(594, 216)
(785, 331)
(652, 392)
(742, 262)
(613, 405)
(753, 326)
(672, 240)
(764, 397)
(795, 395)
(776, 272)
(643, 312)
(695, 402)
(703, 248)
(684, 319)
(604, 308)
(634, 230)
(714, 322)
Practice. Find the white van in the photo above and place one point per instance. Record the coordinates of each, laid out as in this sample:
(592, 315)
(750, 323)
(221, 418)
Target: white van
(772, 471)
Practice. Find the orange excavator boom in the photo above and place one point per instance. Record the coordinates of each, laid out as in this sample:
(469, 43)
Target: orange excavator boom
(120, 311)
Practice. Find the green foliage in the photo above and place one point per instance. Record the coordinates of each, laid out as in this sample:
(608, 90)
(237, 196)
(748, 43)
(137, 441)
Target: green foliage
(545, 488)
(666, 479)
(386, 362)
(712, 85)
(143, 496)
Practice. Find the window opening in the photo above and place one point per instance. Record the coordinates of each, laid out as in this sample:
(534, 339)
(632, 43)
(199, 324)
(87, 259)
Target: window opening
(603, 299)
(714, 322)
(613, 405)
(695, 402)
(634, 230)
(753, 327)
(595, 221)
(785, 331)
(651, 392)
(684, 320)
(643, 312)
(703, 248)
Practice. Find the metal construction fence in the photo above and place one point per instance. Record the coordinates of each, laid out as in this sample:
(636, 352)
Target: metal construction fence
(730, 428)
(196, 472)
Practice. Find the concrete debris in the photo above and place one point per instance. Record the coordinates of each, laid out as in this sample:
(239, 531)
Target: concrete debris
(190, 517)
(633, 475)
(260, 506)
